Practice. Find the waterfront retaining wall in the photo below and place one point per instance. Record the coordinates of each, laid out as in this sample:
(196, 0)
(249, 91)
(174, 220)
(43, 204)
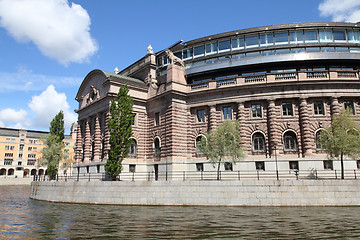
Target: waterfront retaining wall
(228, 193)
(15, 181)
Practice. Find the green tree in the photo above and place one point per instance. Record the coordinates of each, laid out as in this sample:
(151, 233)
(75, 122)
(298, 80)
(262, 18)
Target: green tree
(341, 138)
(120, 128)
(222, 143)
(53, 152)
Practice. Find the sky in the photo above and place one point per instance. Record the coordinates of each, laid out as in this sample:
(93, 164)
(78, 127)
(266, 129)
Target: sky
(47, 47)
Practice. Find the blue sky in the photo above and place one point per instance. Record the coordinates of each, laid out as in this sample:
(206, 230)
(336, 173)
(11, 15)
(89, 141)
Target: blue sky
(47, 47)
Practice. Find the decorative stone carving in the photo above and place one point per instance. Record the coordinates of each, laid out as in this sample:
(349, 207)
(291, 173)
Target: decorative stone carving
(116, 70)
(149, 80)
(149, 50)
(173, 59)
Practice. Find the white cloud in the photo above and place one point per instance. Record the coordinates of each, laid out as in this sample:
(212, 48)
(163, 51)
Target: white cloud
(59, 30)
(341, 11)
(49, 103)
(17, 119)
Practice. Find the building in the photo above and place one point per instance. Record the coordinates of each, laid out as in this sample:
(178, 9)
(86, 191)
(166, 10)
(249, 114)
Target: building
(282, 82)
(20, 149)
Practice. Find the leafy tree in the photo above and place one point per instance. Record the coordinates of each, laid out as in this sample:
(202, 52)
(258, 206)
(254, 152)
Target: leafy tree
(53, 153)
(222, 143)
(341, 138)
(120, 127)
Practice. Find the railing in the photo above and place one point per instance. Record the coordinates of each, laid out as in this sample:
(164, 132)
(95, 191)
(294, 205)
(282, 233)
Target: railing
(200, 85)
(208, 175)
(346, 74)
(225, 82)
(281, 76)
(255, 78)
(320, 74)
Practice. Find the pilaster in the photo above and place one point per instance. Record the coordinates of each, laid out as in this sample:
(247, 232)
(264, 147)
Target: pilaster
(305, 127)
(97, 139)
(87, 142)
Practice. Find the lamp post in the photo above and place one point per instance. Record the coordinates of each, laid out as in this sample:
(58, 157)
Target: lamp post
(276, 163)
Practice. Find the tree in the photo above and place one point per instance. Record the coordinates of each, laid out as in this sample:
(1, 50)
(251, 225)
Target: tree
(341, 138)
(222, 143)
(53, 152)
(120, 127)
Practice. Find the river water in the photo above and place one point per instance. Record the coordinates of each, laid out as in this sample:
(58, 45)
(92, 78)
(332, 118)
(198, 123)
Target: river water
(23, 218)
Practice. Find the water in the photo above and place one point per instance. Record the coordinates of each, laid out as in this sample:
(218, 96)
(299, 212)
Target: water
(23, 218)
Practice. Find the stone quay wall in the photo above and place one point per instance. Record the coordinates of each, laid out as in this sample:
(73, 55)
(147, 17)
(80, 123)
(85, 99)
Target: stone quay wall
(222, 193)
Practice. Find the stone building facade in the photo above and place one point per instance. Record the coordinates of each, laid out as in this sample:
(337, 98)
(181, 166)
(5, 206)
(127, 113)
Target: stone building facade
(282, 83)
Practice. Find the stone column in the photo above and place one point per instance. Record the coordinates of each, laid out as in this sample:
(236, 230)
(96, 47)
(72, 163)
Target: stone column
(97, 139)
(274, 139)
(87, 141)
(79, 144)
(306, 135)
(241, 118)
(335, 106)
(212, 117)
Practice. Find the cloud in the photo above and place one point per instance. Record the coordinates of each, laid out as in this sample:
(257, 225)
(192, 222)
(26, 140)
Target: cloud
(17, 119)
(25, 80)
(59, 30)
(344, 11)
(49, 103)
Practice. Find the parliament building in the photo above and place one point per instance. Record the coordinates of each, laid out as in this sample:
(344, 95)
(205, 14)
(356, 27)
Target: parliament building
(281, 82)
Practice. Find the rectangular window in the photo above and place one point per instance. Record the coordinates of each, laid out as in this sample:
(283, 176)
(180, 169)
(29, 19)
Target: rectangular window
(325, 36)
(252, 41)
(157, 119)
(319, 108)
(339, 35)
(237, 43)
(200, 113)
(328, 165)
(132, 168)
(22, 141)
(199, 167)
(134, 119)
(353, 36)
(7, 147)
(252, 54)
(19, 163)
(199, 51)
(7, 140)
(29, 148)
(266, 40)
(349, 105)
(21, 146)
(187, 53)
(35, 141)
(31, 141)
(256, 110)
(282, 51)
(281, 38)
(32, 156)
(287, 109)
(9, 155)
(228, 166)
(211, 48)
(260, 165)
(311, 36)
(358, 164)
(20, 156)
(227, 113)
(294, 165)
(296, 37)
(224, 46)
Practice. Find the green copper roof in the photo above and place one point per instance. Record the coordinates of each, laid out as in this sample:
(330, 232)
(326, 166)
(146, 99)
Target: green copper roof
(114, 75)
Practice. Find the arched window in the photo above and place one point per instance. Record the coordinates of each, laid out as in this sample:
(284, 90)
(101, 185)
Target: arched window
(258, 142)
(133, 149)
(33, 172)
(197, 141)
(157, 147)
(290, 142)
(11, 172)
(317, 137)
(3, 171)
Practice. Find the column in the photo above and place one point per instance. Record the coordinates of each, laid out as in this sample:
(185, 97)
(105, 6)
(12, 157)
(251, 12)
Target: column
(87, 141)
(274, 139)
(335, 107)
(97, 139)
(306, 135)
(241, 118)
(79, 144)
(212, 117)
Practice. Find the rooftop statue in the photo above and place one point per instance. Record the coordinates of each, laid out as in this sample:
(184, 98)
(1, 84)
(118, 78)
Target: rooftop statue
(173, 59)
(149, 50)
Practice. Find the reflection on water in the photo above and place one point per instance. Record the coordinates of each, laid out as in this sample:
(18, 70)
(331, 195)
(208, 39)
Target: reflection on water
(23, 218)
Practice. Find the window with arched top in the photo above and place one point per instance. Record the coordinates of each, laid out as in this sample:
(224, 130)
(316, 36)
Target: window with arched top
(258, 142)
(197, 141)
(290, 142)
(157, 147)
(133, 149)
(317, 137)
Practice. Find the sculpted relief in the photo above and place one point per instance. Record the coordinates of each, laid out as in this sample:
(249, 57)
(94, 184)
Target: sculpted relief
(92, 96)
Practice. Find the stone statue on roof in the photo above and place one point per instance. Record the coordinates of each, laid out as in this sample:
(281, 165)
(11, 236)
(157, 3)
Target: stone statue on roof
(149, 50)
(173, 59)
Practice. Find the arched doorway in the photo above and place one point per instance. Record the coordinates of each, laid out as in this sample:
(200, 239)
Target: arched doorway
(33, 172)
(41, 172)
(2, 172)
(26, 172)
(11, 172)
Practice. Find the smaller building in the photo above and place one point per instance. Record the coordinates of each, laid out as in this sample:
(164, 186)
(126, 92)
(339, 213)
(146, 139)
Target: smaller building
(20, 149)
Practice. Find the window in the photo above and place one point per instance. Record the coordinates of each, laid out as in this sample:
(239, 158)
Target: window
(20, 156)
(199, 51)
(290, 142)
(13, 140)
(7, 140)
(21, 147)
(197, 141)
(287, 109)
(311, 36)
(32, 156)
(35, 141)
(328, 165)
(19, 163)
(31, 141)
(132, 168)
(349, 105)
(319, 108)
(353, 36)
(29, 148)
(200, 113)
(258, 142)
(224, 46)
(228, 166)
(199, 167)
(325, 36)
(358, 164)
(134, 119)
(281, 38)
(252, 41)
(256, 110)
(97, 168)
(237, 43)
(260, 165)
(339, 35)
(211, 48)
(9, 155)
(157, 147)
(227, 113)
(317, 137)
(133, 149)
(296, 37)
(294, 165)
(7, 147)
(22, 140)
(266, 40)
(157, 119)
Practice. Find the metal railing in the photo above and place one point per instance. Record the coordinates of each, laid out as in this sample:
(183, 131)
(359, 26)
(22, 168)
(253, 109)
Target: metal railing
(207, 175)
